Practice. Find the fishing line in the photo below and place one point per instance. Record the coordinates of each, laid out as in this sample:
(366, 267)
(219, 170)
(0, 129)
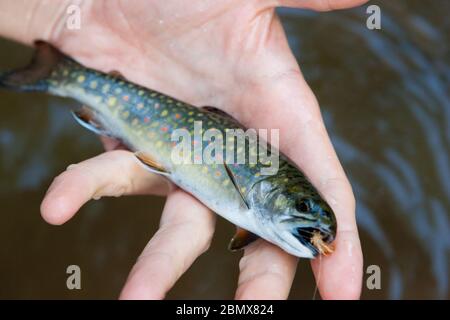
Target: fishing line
(318, 278)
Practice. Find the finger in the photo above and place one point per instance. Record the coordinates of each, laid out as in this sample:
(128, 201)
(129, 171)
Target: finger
(322, 5)
(303, 137)
(312, 150)
(185, 233)
(339, 275)
(112, 173)
(290, 107)
(266, 272)
(111, 144)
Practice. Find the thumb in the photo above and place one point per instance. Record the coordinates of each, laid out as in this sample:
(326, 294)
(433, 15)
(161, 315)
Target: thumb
(322, 5)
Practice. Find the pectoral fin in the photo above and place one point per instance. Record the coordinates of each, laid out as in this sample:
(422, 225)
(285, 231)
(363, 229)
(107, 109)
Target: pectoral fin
(241, 239)
(236, 186)
(220, 112)
(150, 164)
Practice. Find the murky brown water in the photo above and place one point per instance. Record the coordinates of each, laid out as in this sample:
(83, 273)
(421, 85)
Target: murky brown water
(385, 98)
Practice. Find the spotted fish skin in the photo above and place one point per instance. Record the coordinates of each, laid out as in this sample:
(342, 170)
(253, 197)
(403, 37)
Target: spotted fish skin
(284, 208)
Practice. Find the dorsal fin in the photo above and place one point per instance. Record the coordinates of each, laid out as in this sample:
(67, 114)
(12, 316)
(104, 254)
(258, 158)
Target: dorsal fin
(219, 112)
(116, 74)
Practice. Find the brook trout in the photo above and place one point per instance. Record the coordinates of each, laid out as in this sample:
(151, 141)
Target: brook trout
(283, 208)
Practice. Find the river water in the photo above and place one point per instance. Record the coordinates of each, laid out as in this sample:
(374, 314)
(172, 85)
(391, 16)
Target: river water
(385, 99)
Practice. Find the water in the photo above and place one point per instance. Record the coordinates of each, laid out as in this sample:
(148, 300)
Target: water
(385, 100)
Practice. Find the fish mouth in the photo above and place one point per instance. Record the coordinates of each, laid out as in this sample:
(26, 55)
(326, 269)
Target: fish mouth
(316, 240)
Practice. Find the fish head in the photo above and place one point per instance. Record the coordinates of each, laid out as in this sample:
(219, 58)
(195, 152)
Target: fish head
(312, 222)
(306, 224)
(301, 223)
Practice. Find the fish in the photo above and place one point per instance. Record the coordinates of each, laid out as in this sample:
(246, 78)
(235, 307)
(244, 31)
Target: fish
(283, 207)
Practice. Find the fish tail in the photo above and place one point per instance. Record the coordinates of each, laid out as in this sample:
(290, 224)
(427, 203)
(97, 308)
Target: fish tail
(35, 76)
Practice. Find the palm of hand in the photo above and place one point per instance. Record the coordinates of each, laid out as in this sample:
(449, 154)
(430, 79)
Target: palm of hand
(232, 55)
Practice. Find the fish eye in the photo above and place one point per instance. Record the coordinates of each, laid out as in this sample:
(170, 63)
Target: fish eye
(302, 205)
(325, 213)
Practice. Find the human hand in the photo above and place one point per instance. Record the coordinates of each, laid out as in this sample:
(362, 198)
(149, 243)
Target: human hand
(225, 53)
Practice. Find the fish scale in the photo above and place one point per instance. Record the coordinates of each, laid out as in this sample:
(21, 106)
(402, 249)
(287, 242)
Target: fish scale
(112, 105)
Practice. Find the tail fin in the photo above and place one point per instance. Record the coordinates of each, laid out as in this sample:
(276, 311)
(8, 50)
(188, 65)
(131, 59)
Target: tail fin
(33, 77)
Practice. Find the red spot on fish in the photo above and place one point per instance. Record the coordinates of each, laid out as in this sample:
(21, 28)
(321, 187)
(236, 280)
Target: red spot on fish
(146, 119)
(126, 98)
(164, 129)
(177, 116)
